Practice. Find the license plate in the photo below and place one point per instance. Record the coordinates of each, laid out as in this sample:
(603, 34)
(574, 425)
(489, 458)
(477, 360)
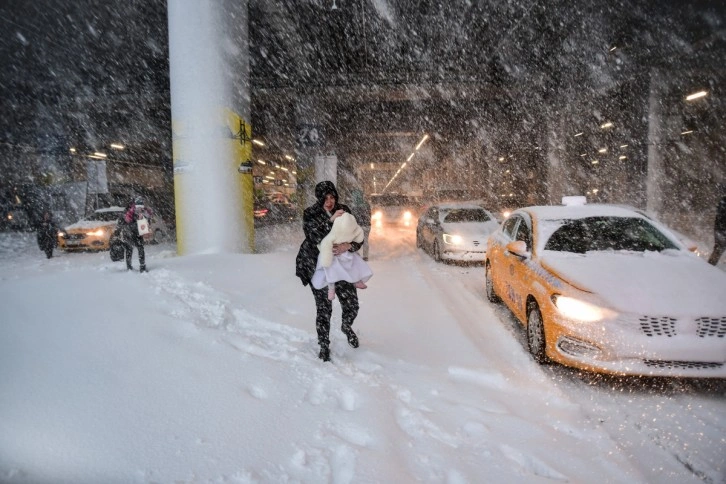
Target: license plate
(72, 242)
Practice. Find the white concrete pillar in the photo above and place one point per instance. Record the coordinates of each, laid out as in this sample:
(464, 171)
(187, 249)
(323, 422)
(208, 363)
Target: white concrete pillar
(210, 107)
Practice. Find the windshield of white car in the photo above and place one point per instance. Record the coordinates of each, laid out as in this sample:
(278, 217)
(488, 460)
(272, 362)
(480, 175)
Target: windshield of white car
(608, 233)
(466, 215)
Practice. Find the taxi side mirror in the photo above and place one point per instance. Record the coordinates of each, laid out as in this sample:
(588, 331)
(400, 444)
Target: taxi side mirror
(518, 248)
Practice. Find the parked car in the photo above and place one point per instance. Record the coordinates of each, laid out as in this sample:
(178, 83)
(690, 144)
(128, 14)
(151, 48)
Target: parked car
(455, 231)
(94, 231)
(269, 212)
(394, 209)
(605, 289)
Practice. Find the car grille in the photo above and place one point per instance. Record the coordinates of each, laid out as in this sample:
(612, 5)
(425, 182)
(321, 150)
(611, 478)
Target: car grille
(666, 326)
(658, 326)
(75, 236)
(711, 327)
(682, 365)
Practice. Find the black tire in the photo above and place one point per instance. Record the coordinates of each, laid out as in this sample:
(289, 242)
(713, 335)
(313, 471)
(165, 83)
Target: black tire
(489, 285)
(536, 334)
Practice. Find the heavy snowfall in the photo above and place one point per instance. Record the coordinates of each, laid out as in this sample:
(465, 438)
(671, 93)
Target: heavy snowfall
(205, 369)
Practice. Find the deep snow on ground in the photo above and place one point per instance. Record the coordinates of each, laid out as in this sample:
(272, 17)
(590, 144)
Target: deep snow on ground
(205, 370)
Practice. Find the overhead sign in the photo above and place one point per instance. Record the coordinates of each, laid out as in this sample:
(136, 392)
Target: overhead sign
(309, 135)
(96, 178)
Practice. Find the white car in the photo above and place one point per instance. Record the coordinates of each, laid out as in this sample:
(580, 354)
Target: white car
(455, 231)
(606, 289)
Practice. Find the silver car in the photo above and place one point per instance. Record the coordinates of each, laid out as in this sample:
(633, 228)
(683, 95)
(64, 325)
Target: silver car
(456, 231)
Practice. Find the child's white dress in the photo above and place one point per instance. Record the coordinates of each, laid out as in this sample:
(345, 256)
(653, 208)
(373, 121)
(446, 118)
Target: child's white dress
(348, 266)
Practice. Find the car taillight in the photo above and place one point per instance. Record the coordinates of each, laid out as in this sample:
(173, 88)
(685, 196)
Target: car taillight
(261, 212)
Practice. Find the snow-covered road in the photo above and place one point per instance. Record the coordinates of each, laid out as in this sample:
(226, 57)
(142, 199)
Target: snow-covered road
(205, 370)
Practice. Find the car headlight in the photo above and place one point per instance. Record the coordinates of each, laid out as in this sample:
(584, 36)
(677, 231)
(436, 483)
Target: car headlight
(452, 239)
(407, 215)
(579, 310)
(97, 233)
(377, 215)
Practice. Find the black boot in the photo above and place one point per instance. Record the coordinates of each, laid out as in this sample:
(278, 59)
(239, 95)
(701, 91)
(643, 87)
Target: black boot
(143, 269)
(352, 338)
(324, 353)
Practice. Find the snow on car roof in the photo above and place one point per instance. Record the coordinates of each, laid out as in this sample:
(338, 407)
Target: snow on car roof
(110, 209)
(560, 212)
(453, 205)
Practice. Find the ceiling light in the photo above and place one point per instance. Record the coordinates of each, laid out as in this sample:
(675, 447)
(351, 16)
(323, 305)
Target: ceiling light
(614, 47)
(606, 125)
(579, 134)
(595, 162)
(501, 158)
(696, 95)
(425, 137)
(687, 131)
(373, 165)
(72, 150)
(623, 146)
(258, 142)
(289, 157)
(117, 146)
(583, 155)
(602, 150)
(410, 156)
(261, 162)
(100, 155)
(622, 157)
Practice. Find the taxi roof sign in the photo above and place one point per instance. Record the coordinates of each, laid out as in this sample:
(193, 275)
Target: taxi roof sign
(574, 201)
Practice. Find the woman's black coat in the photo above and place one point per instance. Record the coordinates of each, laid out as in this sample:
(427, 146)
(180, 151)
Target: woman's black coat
(316, 225)
(47, 235)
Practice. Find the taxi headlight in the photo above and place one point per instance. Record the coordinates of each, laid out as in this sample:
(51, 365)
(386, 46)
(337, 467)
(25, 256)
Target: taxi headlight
(579, 310)
(407, 215)
(452, 239)
(97, 233)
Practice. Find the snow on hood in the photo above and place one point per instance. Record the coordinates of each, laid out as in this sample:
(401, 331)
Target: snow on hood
(472, 229)
(669, 283)
(89, 224)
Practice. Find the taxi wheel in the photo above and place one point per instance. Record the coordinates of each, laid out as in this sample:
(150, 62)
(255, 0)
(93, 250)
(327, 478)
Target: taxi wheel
(535, 333)
(491, 293)
(437, 252)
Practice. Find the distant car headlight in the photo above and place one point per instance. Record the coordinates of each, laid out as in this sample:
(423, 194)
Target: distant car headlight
(578, 310)
(452, 239)
(377, 215)
(97, 233)
(407, 215)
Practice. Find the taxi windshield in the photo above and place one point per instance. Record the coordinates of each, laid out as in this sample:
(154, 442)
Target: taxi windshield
(104, 216)
(608, 233)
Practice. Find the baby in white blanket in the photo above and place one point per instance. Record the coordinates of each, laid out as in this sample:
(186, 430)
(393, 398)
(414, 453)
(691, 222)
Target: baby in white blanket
(348, 266)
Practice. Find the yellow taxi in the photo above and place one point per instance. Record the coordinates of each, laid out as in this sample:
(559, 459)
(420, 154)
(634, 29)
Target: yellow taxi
(606, 289)
(94, 232)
